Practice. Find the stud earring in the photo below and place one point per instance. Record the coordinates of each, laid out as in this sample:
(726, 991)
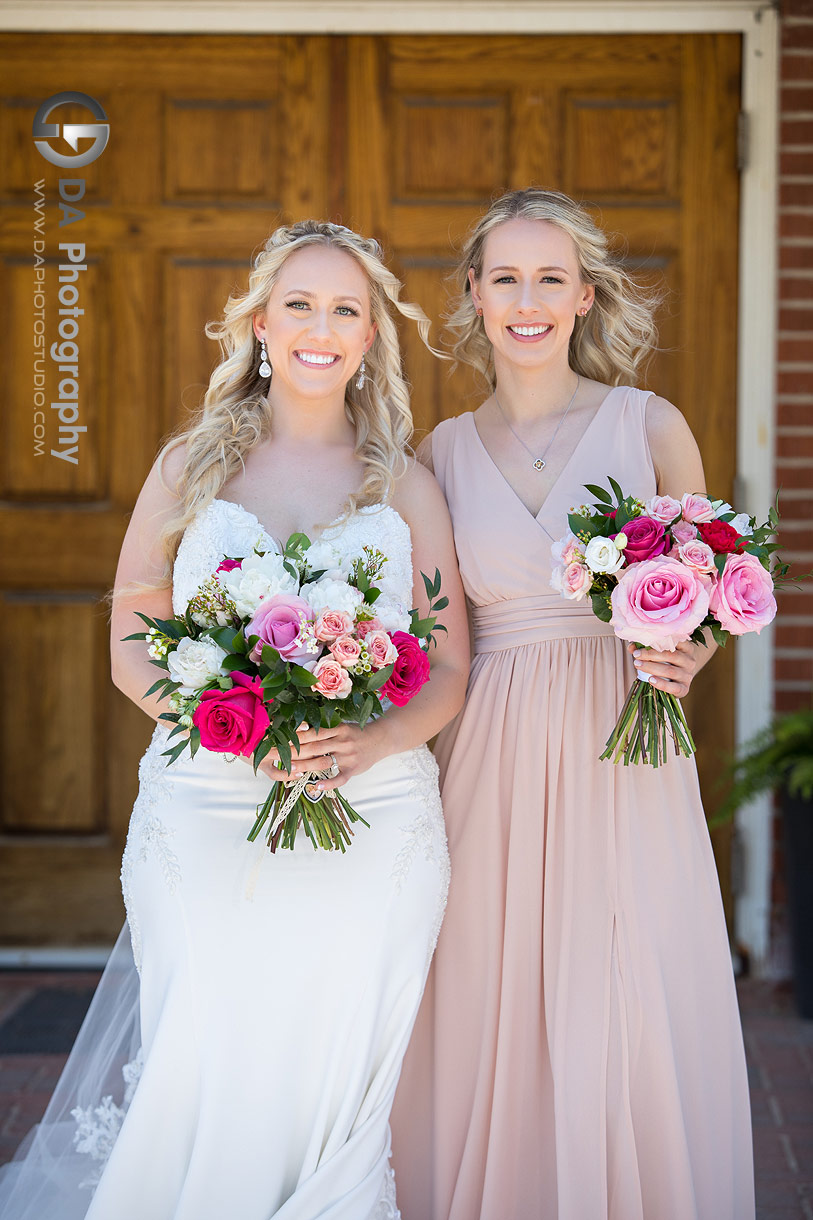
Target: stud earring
(582, 312)
(479, 313)
(265, 368)
(362, 377)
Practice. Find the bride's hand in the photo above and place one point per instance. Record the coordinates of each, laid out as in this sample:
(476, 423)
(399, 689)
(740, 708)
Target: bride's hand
(671, 672)
(355, 751)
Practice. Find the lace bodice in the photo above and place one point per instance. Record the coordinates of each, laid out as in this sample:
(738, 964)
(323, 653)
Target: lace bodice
(226, 528)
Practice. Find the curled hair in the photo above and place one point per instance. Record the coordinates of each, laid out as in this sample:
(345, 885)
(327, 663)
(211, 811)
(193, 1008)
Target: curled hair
(234, 415)
(611, 342)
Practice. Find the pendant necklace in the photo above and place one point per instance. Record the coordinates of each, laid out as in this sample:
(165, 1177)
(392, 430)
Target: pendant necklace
(539, 462)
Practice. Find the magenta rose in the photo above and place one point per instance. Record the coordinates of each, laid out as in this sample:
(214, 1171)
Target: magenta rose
(646, 539)
(331, 624)
(658, 603)
(345, 650)
(232, 721)
(278, 621)
(410, 671)
(228, 565)
(333, 679)
(743, 598)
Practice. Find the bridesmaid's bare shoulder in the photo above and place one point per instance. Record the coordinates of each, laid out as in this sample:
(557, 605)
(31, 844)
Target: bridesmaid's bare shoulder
(417, 494)
(675, 455)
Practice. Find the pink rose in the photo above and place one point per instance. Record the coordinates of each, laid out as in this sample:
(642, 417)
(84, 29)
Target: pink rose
(331, 624)
(663, 508)
(646, 539)
(232, 721)
(346, 650)
(411, 670)
(228, 565)
(278, 621)
(743, 598)
(334, 680)
(572, 581)
(367, 625)
(381, 649)
(658, 603)
(697, 508)
(683, 531)
(697, 555)
(566, 549)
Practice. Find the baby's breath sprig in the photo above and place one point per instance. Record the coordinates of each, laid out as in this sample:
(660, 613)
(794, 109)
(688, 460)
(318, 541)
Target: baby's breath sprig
(212, 607)
(158, 644)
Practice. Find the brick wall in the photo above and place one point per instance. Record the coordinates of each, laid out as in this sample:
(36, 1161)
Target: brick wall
(793, 665)
(794, 434)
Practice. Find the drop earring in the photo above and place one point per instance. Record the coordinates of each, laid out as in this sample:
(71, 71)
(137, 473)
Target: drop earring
(362, 377)
(265, 368)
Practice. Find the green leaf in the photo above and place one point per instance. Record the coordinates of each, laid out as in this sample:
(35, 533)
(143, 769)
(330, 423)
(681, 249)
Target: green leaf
(719, 635)
(619, 495)
(377, 680)
(600, 493)
(720, 562)
(601, 607)
(301, 676)
(441, 604)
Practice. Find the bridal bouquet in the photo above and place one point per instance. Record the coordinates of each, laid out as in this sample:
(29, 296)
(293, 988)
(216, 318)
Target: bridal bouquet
(274, 641)
(660, 573)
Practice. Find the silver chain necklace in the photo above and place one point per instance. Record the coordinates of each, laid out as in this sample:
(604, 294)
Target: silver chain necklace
(539, 462)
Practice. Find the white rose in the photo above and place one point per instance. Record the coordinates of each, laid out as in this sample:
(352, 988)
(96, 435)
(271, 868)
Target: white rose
(330, 594)
(244, 530)
(742, 524)
(326, 557)
(602, 555)
(392, 614)
(721, 507)
(194, 663)
(260, 576)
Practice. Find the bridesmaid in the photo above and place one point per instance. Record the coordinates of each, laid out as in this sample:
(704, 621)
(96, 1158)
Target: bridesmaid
(578, 1055)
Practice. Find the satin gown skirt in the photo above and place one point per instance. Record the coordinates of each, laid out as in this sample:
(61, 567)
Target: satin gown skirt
(278, 993)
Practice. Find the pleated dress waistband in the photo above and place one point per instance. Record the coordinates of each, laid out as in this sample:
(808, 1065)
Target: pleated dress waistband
(532, 620)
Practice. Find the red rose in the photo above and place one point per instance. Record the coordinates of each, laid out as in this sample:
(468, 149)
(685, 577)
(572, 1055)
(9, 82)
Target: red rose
(232, 721)
(646, 539)
(721, 537)
(410, 671)
(228, 565)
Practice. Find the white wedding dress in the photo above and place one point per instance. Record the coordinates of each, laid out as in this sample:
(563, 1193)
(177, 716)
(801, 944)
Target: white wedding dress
(250, 1070)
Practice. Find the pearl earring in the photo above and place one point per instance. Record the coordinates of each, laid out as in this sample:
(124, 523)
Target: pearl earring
(265, 368)
(362, 377)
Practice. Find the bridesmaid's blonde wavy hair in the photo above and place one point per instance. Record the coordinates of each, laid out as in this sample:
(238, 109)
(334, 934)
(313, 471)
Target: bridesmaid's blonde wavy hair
(234, 415)
(612, 342)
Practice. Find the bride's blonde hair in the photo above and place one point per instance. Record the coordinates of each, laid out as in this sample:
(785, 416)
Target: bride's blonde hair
(611, 342)
(234, 415)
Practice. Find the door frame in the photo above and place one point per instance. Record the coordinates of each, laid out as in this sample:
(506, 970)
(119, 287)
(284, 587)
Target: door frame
(758, 23)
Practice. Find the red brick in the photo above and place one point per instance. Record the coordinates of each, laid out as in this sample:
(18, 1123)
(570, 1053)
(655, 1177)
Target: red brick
(796, 224)
(794, 635)
(795, 413)
(796, 162)
(797, 37)
(798, 382)
(791, 700)
(795, 194)
(796, 8)
(796, 288)
(795, 131)
(797, 540)
(795, 67)
(795, 257)
(795, 350)
(794, 446)
(796, 98)
(792, 601)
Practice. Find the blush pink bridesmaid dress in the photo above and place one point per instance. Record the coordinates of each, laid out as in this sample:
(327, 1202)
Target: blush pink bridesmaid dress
(578, 1054)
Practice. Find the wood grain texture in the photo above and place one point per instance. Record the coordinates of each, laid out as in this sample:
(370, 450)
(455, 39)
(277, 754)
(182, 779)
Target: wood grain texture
(215, 141)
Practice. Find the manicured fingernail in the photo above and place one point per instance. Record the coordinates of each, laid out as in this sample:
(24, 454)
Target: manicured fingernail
(645, 677)
(637, 652)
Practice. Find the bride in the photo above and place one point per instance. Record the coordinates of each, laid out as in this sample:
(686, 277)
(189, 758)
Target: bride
(248, 1071)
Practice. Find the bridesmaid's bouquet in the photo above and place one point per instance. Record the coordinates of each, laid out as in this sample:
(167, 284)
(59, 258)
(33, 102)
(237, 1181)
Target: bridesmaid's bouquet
(662, 572)
(275, 641)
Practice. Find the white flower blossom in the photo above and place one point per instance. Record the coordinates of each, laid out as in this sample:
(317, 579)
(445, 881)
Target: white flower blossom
(194, 663)
(323, 556)
(330, 594)
(602, 555)
(742, 524)
(260, 576)
(392, 614)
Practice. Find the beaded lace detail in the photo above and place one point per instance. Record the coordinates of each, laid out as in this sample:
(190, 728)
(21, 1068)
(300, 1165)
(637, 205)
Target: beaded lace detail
(147, 833)
(387, 1207)
(426, 833)
(97, 1127)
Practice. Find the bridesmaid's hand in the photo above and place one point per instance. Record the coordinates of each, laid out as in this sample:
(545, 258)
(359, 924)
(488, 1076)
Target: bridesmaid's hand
(355, 751)
(671, 672)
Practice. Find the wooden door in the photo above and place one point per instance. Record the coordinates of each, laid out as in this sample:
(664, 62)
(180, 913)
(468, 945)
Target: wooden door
(214, 141)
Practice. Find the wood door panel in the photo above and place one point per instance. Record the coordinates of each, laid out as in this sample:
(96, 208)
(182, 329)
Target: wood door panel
(215, 140)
